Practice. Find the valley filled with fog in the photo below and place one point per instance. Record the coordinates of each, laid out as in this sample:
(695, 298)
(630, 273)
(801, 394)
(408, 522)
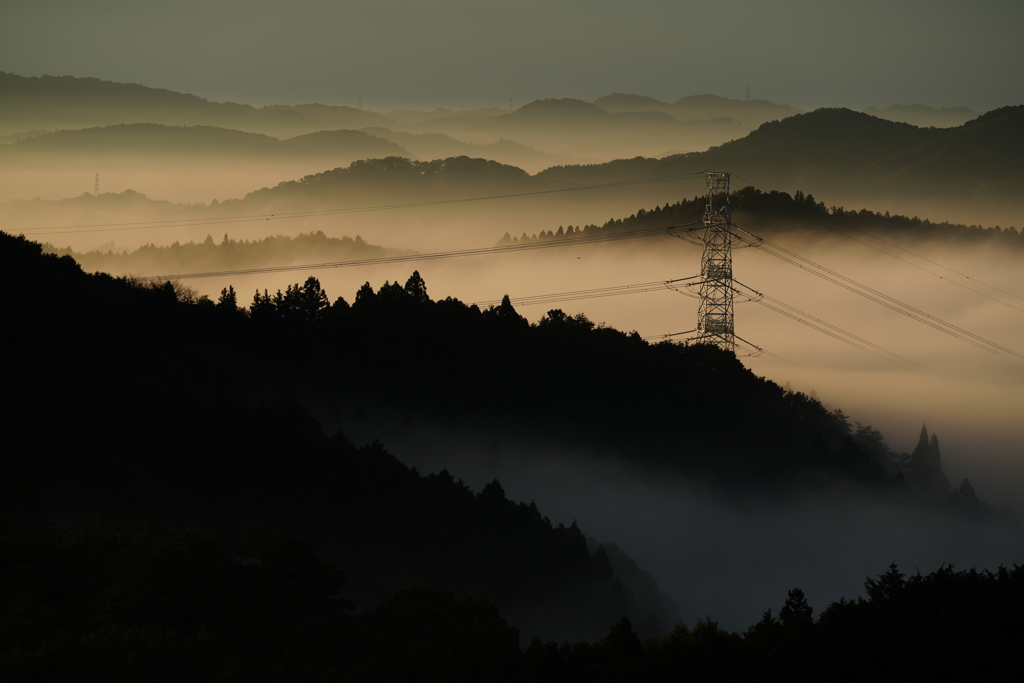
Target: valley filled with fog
(254, 199)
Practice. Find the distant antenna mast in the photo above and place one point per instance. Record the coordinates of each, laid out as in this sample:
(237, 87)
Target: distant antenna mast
(360, 103)
(748, 93)
(715, 317)
(96, 185)
(510, 103)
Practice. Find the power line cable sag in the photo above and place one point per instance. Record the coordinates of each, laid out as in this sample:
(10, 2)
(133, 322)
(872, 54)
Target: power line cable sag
(637, 288)
(914, 254)
(803, 317)
(228, 220)
(882, 299)
(531, 246)
(594, 293)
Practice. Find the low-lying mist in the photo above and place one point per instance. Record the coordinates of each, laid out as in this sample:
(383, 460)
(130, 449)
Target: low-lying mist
(718, 554)
(969, 396)
(728, 557)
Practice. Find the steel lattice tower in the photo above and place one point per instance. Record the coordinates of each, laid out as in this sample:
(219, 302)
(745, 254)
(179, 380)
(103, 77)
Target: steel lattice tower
(715, 321)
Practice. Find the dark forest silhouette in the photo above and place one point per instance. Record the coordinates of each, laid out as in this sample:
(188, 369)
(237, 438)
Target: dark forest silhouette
(134, 401)
(779, 212)
(120, 601)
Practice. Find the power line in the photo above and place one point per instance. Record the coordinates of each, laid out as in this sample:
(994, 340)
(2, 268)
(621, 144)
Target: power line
(813, 322)
(776, 305)
(228, 220)
(530, 246)
(882, 299)
(595, 293)
(911, 263)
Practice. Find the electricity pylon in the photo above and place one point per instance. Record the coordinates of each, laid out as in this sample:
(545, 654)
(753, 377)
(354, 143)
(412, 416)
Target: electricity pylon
(715, 319)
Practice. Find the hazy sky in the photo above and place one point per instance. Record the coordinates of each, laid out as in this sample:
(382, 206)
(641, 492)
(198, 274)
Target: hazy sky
(808, 53)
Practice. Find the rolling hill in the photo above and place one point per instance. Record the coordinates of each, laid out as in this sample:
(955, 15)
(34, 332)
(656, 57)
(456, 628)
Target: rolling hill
(68, 102)
(155, 140)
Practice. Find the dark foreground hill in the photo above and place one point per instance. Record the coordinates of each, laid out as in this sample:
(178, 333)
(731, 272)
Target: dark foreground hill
(126, 403)
(115, 601)
(399, 356)
(147, 402)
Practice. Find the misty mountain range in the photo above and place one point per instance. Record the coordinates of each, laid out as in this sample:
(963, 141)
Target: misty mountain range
(199, 142)
(223, 436)
(840, 155)
(613, 125)
(837, 154)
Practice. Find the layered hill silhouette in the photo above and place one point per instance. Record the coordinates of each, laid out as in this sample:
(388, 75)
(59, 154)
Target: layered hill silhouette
(403, 338)
(70, 102)
(198, 438)
(185, 429)
(443, 146)
(924, 116)
(152, 141)
(846, 154)
(572, 128)
(160, 603)
(576, 128)
(751, 113)
(771, 213)
(839, 155)
(225, 254)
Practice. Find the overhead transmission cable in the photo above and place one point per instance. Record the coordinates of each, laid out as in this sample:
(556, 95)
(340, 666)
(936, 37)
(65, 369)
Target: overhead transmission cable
(246, 218)
(880, 298)
(404, 258)
(914, 254)
(804, 318)
(595, 293)
(673, 285)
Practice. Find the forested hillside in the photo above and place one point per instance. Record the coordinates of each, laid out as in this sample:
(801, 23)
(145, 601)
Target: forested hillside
(134, 401)
(846, 156)
(116, 601)
(158, 418)
(475, 367)
(196, 142)
(210, 255)
(772, 213)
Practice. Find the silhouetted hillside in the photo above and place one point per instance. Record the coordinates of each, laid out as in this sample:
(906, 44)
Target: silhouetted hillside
(151, 141)
(617, 102)
(404, 339)
(851, 156)
(193, 257)
(167, 417)
(146, 401)
(836, 153)
(395, 177)
(70, 102)
(109, 600)
(443, 146)
(982, 158)
(924, 116)
(750, 113)
(769, 213)
(552, 125)
(566, 111)
(581, 130)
